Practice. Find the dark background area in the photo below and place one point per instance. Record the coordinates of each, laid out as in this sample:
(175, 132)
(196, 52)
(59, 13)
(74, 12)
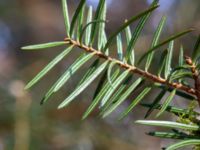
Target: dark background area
(25, 125)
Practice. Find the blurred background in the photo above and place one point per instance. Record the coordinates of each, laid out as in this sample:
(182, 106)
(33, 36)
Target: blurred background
(25, 125)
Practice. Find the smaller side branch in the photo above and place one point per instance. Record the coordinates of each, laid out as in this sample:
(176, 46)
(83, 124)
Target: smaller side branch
(196, 78)
(134, 69)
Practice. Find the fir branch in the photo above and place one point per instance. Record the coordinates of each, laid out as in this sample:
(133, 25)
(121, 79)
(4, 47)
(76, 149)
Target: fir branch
(133, 69)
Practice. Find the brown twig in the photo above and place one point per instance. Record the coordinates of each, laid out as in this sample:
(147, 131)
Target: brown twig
(134, 69)
(195, 74)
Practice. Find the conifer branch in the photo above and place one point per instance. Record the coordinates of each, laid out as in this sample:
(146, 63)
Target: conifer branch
(134, 69)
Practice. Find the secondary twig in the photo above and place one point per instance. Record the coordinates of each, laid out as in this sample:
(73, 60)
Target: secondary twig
(195, 74)
(134, 69)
